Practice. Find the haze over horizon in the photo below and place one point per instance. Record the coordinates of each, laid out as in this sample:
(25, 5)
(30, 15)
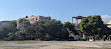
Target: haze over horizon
(58, 9)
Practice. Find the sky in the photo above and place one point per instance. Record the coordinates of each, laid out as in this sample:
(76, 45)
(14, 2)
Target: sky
(62, 10)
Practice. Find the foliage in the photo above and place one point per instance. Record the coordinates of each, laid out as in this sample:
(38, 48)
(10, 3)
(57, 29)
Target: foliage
(68, 25)
(22, 29)
(11, 36)
(23, 25)
(7, 28)
(93, 25)
(47, 30)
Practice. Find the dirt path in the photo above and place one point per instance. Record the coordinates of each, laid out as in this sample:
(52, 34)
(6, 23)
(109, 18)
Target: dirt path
(59, 44)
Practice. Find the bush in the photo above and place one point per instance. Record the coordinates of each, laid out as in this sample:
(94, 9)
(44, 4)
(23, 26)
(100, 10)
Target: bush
(11, 36)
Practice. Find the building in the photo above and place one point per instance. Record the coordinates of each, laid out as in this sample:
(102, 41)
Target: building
(3, 22)
(77, 25)
(37, 18)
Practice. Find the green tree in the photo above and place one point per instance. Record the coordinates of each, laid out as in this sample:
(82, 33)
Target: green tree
(23, 25)
(7, 28)
(38, 29)
(11, 36)
(48, 30)
(20, 35)
(93, 25)
(24, 28)
(70, 26)
(56, 30)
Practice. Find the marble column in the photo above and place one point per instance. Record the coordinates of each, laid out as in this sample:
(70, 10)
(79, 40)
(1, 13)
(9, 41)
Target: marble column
(76, 21)
(72, 20)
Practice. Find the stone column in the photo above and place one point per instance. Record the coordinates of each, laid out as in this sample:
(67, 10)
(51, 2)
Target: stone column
(84, 36)
(72, 20)
(76, 21)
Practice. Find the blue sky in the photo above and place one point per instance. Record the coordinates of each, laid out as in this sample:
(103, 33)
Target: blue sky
(58, 9)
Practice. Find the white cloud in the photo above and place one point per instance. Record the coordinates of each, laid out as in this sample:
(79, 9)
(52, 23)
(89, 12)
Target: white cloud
(106, 16)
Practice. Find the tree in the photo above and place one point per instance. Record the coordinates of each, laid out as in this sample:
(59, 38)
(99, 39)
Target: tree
(23, 25)
(20, 35)
(12, 26)
(93, 25)
(38, 29)
(11, 36)
(43, 30)
(70, 26)
(48, 30)
(7, 28)
(56, 30)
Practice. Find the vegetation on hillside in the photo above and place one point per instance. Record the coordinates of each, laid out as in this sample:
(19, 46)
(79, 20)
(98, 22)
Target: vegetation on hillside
(39, 30)
(22, 29)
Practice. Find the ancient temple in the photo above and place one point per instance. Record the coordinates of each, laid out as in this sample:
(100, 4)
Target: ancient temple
(77, 26)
